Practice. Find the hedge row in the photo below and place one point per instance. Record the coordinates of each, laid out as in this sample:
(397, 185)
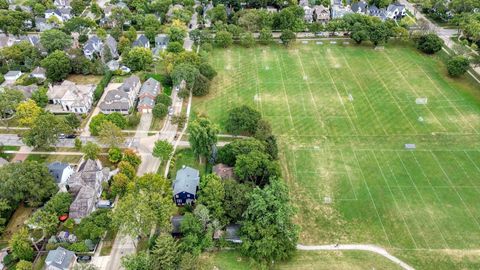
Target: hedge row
(101, 86)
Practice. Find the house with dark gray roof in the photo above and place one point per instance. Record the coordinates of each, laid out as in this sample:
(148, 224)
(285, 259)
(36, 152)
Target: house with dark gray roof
(61, 172)
(121, 100)
(395, 11)
(321, 14)
(142, 41)
(62, 14)
(161, 43)
(359, 7)
(148, 93)
(111, 43)
(185, 186)
(86, 186)
(41, 24)
(92, 47)
(60, 259)
(377, 12)
(12, 75)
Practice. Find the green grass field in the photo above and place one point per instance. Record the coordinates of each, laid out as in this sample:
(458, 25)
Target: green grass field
(343, 115)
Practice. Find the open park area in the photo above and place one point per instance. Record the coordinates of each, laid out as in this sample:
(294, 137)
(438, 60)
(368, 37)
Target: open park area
(378, 146)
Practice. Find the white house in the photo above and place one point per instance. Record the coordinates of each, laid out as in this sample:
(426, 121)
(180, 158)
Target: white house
(93, 46)
(76, 98)
(12, 75)
(61, 172)
(38, 73)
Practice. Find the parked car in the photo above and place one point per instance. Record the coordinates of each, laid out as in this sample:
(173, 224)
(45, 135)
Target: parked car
(61, 136)
(71, 136)
(84, 259)
(170, 111)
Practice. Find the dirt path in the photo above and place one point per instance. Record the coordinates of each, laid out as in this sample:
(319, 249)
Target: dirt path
(370, 248)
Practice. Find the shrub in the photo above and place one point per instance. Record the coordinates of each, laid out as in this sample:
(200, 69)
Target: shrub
(429, 43)
(160, 110)
(79, 247)
(242, 120)
(164, 99)
(101, 86)
(114, 155)
(457, 66)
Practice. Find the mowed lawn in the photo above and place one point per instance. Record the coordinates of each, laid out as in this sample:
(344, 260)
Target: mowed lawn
(343, 115)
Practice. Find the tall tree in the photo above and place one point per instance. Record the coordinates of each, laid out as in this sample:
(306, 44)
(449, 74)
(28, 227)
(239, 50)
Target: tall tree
(54, 39)
(268, 232)
(58, 65)
(164, 254)
(162, 149)
(40, 97)
(45, 130)
(212, 194)
(184, 71)
(202, 136)
(243, 120)
(91, 150)
(21, 246)
(138, 58)
(111, 135)
(27, 112)
(9, 100)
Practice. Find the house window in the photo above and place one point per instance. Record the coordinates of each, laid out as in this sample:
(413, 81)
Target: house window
(176, 196)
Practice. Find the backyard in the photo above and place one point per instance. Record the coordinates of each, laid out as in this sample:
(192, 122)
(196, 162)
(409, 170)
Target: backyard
(344, 115)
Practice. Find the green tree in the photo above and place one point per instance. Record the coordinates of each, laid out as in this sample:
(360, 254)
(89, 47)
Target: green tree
(177, 34)
(202, 137)
(236, 199)
(91, 150)
(242, 120)
(40, 97)
(218, 14)
(457, 66)
(160, 110)
(4, 4)
(127, 169)
(165, 252)
(28, 181)
(96, 123)
(256, 167)
(27, 112)
(138, 58)
(184, 71)
(162, 149)
(21, 246)
(9, 100)
(379, 33)
(164, 99)
(58, 65)
(223, 39)
(290, 18)
(78, 6)
(131, 34)
(124, 45)
(131, 157)
(119, 184)
(380, 3)
(175, 47)
(111, 135)
(95, 225)
(287, 37)
(268, 232)
(24, 265)
(228, 154)
(45, 221)
(45, 131)
(247, 40)
(429, 43)
(265, 37)
(78, 144)
(201, 87)
(138, 261)
(207, 70)
(59, 204)
(212, 195)
(114, 155)
(53, 40)
(72, 120)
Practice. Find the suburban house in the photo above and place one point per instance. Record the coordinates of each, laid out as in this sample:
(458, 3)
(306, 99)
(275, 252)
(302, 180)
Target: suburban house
(121, 100)
(161, 41)
(27, 90)
(376, 12)
(395, 11)
(142, 41)
(321, 14)
(338, 10)
(185, 186)
(308, 14)
(86, 186)
(61, 3)
(12, 75)
(93, 46)
(76, 98)
(111, 43)
(41, 24)
(146, 98)
(223, 171)
(359, 7)
(62, 14)
(61, 172)
(60, 259)
(39, 73)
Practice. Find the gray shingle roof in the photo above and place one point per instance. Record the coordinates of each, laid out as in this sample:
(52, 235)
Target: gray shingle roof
(150, 86)
(141, 41)
(60, 258)
(187, 180)
(129, 83)
(56, 170)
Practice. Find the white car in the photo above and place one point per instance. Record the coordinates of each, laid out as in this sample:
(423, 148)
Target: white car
(170, 111)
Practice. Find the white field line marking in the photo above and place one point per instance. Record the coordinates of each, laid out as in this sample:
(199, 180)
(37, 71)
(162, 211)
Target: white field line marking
(260, 101)
(413, 90)
(394, 199)
(363, 92)
(351, 103)
(433, 187)
(369, 248)
(280, 64)
(319, 117)
(371, 198)
(458, 194)
(390, 93)
(443, 94)
(421, 197)
(348, 175)
(338, 94)
(465, 172)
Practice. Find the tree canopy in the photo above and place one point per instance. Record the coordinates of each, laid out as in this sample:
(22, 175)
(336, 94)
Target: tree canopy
(202, 136)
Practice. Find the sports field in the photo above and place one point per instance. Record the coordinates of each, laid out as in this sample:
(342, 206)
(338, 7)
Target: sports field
(343, 115)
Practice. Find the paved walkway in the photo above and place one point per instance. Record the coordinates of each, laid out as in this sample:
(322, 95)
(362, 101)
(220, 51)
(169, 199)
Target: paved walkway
(370, 248)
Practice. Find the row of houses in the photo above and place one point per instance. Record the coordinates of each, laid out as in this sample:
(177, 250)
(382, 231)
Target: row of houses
(394, 11)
